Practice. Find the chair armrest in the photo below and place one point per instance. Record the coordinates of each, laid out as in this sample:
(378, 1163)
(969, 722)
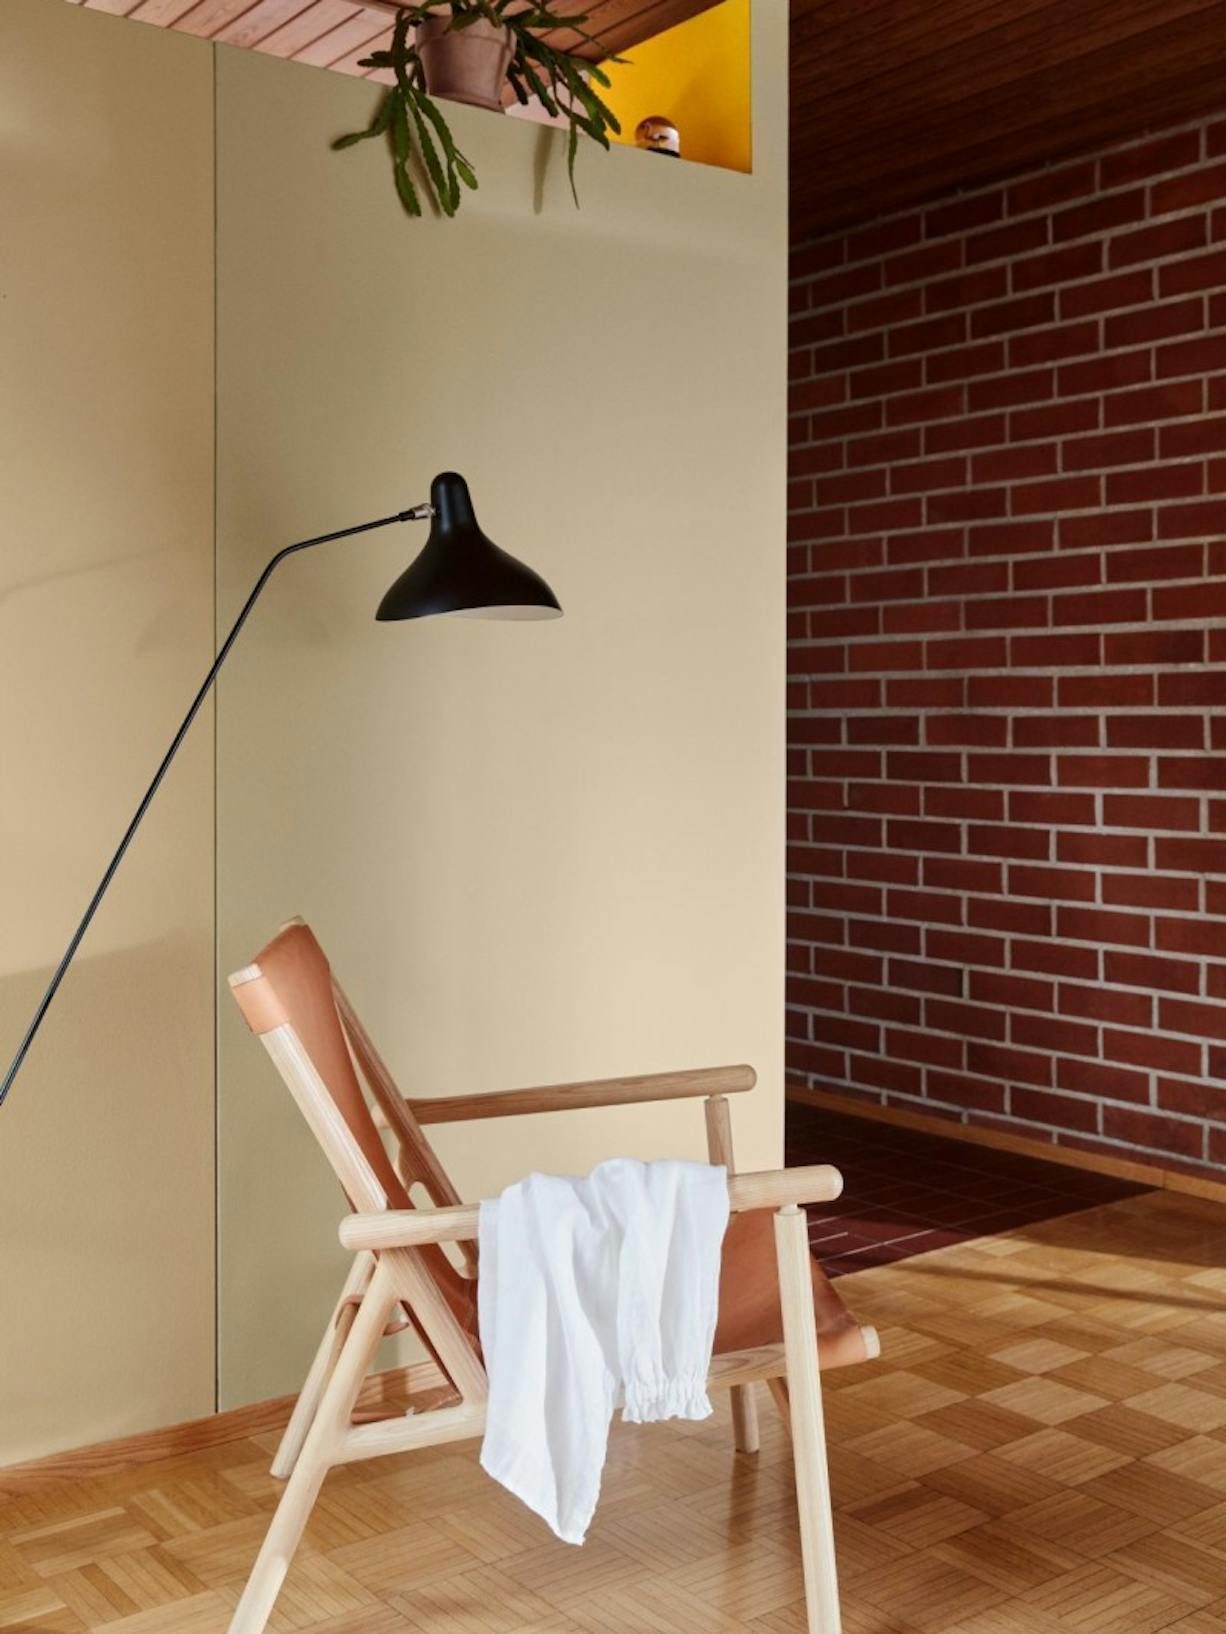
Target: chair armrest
(653, 1086)
(412, 1228)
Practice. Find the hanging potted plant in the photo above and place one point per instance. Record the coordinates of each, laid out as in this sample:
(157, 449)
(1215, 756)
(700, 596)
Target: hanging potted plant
(467, 51)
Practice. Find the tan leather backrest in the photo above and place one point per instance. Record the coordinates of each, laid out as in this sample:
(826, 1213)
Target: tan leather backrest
(295, 988)
(298, 977)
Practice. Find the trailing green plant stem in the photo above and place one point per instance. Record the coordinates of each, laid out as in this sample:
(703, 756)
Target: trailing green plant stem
(416, 128)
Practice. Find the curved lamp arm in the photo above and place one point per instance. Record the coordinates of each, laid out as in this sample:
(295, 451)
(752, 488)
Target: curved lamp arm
(416, 514)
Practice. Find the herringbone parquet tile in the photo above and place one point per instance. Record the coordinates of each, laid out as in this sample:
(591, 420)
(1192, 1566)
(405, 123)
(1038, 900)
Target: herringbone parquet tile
(1042, 1450)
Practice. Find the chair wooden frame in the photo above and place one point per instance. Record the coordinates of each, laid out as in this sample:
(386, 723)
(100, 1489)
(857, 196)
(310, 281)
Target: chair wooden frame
(388, 1273)
(416, 1164)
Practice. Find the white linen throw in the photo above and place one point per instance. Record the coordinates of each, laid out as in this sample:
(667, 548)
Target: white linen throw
(594, 1292)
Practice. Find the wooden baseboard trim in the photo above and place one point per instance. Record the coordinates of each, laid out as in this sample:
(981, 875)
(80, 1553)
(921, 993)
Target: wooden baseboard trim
(391, 1390)
(1144, 1174)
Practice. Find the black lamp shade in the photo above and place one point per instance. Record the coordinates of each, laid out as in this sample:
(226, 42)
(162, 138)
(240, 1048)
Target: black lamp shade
(461, 571)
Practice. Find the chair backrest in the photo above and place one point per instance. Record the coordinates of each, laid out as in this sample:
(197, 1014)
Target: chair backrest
(289, 999)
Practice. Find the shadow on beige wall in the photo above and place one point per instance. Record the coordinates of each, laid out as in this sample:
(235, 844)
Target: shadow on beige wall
(106, 624)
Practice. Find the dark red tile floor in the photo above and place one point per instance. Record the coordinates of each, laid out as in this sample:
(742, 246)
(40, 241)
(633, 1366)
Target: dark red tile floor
(906, 1192)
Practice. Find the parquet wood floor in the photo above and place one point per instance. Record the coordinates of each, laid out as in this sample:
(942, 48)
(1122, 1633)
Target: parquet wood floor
(1042, 1450)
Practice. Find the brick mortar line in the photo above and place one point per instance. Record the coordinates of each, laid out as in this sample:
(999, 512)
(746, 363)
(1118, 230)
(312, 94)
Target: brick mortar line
(1126, 348)
(1202, 1041)
(1007, 938)
(994, 559)
(800, 1008)
(1062, 208)
(1096, 870)
(988, 598)
(1058, 440)
(902, 638)
(1134, 349)
(1073, 553)
(1152, 1030)
(1196, 915)
(1004, 712)
(1102, 394)
(1104, 236)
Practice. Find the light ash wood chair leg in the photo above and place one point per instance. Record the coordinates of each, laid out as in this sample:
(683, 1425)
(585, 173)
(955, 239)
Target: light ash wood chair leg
(808, 1424)
(318, 1454)
(779, 1395)
(719, 1150)
(745, 1418)
(316, 1381)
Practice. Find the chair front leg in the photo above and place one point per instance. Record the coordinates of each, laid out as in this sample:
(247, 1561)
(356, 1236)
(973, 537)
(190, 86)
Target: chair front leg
(319, 1452)
(321, 1368)
(808, 1424)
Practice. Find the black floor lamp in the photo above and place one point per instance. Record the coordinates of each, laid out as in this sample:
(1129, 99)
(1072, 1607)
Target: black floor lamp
(459, 571)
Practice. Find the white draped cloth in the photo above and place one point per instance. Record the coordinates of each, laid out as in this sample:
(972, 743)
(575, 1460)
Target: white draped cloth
(594, 1293)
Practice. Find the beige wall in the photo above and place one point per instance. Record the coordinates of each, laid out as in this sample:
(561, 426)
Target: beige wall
(106, 623)
(534, 852)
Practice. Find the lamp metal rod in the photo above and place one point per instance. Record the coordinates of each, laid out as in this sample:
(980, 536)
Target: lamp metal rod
(416, 513)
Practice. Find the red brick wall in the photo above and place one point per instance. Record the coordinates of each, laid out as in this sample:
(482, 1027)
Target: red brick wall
(1007, 796)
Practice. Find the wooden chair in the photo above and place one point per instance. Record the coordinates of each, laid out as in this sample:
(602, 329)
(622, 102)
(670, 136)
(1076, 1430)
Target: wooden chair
(777, 1309)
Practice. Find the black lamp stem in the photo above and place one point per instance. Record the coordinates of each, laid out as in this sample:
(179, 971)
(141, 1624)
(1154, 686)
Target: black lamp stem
(416, 514)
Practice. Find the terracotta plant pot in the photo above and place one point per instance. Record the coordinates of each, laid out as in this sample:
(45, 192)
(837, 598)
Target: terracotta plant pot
(468, 66)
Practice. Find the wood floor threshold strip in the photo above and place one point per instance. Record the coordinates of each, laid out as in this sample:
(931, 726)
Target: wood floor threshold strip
(1145, 1174)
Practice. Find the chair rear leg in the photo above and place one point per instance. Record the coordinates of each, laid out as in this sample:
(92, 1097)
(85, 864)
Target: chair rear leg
(745, 1418)
(808, 1424)
(719, 1150)
(779, 1395)
(319, 1452)
(316, 1381)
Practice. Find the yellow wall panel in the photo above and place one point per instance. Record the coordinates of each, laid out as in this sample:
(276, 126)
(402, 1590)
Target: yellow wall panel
(698, 75)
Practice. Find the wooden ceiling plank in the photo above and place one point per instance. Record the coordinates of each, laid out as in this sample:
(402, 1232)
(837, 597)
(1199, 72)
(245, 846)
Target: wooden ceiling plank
(1006, 137)
(866, 55)
(667, 14)
(357, 35)
(1043, 41)
(619, 24)
(164, 13)
(113, 8)
(262, 20)
(351, 64)
(1115, 69)
(1185, 96)
(602, 18)
(319, 19)
(809, 18)
(812, 35)
(207, 16)
(896, 101)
